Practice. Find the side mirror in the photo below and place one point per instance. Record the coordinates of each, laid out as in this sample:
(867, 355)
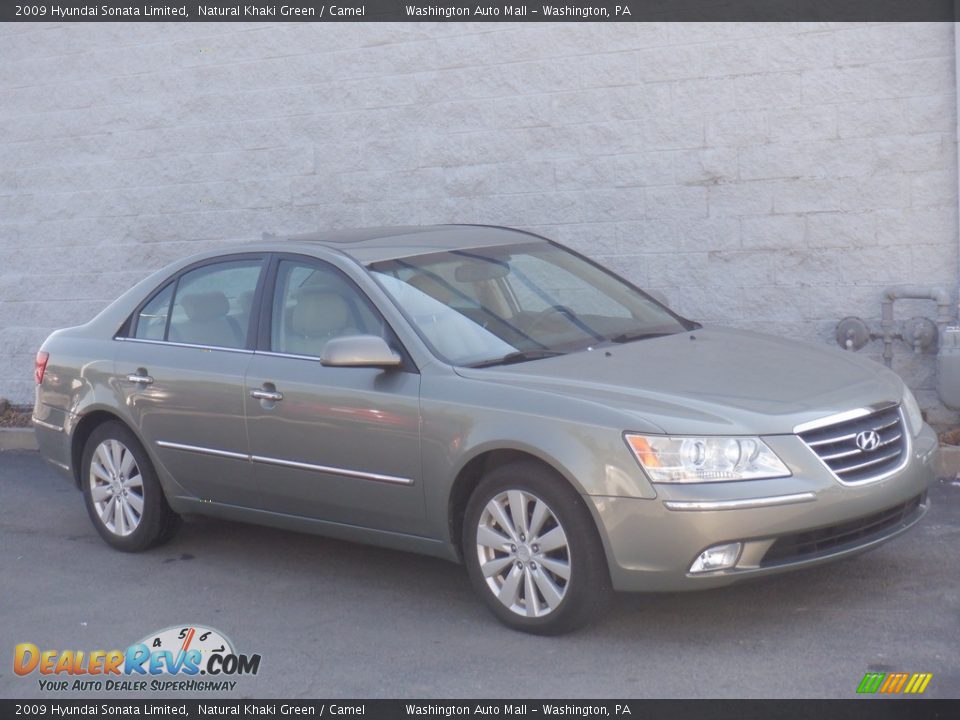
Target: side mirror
(359, 351)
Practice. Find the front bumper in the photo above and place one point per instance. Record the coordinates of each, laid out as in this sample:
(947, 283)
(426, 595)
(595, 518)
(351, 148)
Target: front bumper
(784, 524)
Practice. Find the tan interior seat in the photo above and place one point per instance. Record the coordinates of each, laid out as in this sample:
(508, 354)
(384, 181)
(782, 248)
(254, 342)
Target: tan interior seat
(245, 300)
(208, 321)
(318, 315)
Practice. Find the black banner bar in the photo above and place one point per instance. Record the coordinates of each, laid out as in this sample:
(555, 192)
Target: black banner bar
(480, 11)
(857, 709)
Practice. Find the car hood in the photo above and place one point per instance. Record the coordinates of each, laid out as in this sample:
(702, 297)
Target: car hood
(710, 381)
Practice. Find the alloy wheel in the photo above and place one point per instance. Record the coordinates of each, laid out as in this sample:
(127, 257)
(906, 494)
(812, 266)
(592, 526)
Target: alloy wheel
(524, 553)
(116, 487)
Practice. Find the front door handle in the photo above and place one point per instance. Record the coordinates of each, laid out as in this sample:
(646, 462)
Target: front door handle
(140, 379)
(271, 395)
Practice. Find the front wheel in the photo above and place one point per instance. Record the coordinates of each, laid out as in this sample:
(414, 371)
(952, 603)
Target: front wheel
(532, 551)
(120, 489)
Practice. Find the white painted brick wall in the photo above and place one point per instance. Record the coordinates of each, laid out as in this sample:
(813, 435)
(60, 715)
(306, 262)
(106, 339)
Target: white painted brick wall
(771, 176)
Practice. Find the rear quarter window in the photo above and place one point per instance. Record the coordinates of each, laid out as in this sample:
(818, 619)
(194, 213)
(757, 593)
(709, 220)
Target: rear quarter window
(151, 321)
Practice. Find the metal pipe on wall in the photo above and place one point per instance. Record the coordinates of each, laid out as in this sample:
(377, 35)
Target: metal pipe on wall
(911, 292)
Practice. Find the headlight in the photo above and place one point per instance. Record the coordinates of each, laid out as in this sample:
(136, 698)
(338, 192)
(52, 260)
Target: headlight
(705, 459)
(912, 410)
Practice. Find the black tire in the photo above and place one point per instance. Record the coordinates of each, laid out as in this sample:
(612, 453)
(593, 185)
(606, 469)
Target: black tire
(157, 522)
(587, 589)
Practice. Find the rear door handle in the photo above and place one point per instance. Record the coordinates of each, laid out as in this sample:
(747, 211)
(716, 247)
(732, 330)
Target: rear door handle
(140, 379)
(272, 395)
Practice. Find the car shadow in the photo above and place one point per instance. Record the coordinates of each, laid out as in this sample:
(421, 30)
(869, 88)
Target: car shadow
(441, 588)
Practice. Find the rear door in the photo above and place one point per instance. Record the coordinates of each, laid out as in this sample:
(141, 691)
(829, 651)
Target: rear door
(181, 373)
(337, 444)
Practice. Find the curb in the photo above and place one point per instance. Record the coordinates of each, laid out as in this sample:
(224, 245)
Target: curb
(17, 439)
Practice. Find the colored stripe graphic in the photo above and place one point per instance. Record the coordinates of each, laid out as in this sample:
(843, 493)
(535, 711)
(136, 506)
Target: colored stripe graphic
(927, 677)
(893, 683)
(914, 682)
(889, 682)
(871, 682)
(900, 683)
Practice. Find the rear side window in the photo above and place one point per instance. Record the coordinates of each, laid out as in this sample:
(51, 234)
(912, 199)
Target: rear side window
(212, 304)
(152, 319)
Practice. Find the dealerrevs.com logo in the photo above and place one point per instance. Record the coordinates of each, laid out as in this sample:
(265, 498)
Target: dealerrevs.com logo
(179, 658)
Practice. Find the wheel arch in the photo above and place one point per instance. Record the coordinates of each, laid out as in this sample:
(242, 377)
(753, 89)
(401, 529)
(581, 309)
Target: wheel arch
(473, 471)
(82, 431)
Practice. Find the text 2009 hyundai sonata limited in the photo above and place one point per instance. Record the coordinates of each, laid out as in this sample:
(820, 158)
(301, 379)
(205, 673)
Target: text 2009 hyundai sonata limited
(480, 394)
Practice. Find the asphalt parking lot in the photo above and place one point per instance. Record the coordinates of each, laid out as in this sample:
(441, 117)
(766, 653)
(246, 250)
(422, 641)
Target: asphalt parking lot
(333, 619)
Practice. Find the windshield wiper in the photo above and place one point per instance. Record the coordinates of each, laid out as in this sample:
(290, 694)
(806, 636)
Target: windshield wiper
(517, 357)
(630, 337)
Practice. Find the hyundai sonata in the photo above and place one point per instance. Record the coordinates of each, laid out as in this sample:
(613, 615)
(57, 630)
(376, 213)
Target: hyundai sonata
(479, 394)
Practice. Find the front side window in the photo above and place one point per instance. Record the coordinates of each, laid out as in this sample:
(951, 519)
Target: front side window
(315, 303)
(510, 303)
(212, 304)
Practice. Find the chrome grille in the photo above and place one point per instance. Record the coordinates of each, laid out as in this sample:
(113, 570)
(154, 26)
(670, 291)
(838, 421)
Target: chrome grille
(837, 445)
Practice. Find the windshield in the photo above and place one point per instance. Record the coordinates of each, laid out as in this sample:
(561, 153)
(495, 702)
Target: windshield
(513, 303)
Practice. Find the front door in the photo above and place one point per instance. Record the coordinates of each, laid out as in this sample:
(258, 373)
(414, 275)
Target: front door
(337, 444)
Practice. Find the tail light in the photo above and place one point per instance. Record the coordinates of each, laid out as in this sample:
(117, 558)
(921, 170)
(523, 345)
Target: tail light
(41, 367)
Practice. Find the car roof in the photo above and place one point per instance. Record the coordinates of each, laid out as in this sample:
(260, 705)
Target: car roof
(370, 245)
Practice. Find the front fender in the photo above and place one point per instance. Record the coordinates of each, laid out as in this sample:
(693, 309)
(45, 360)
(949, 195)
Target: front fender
(593, 458)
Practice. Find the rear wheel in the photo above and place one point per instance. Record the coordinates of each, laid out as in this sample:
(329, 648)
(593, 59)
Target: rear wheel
(121, 491)
(532, 551)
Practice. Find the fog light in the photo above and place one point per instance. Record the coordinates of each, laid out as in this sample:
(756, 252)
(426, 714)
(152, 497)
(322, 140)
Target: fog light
(718, 557)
